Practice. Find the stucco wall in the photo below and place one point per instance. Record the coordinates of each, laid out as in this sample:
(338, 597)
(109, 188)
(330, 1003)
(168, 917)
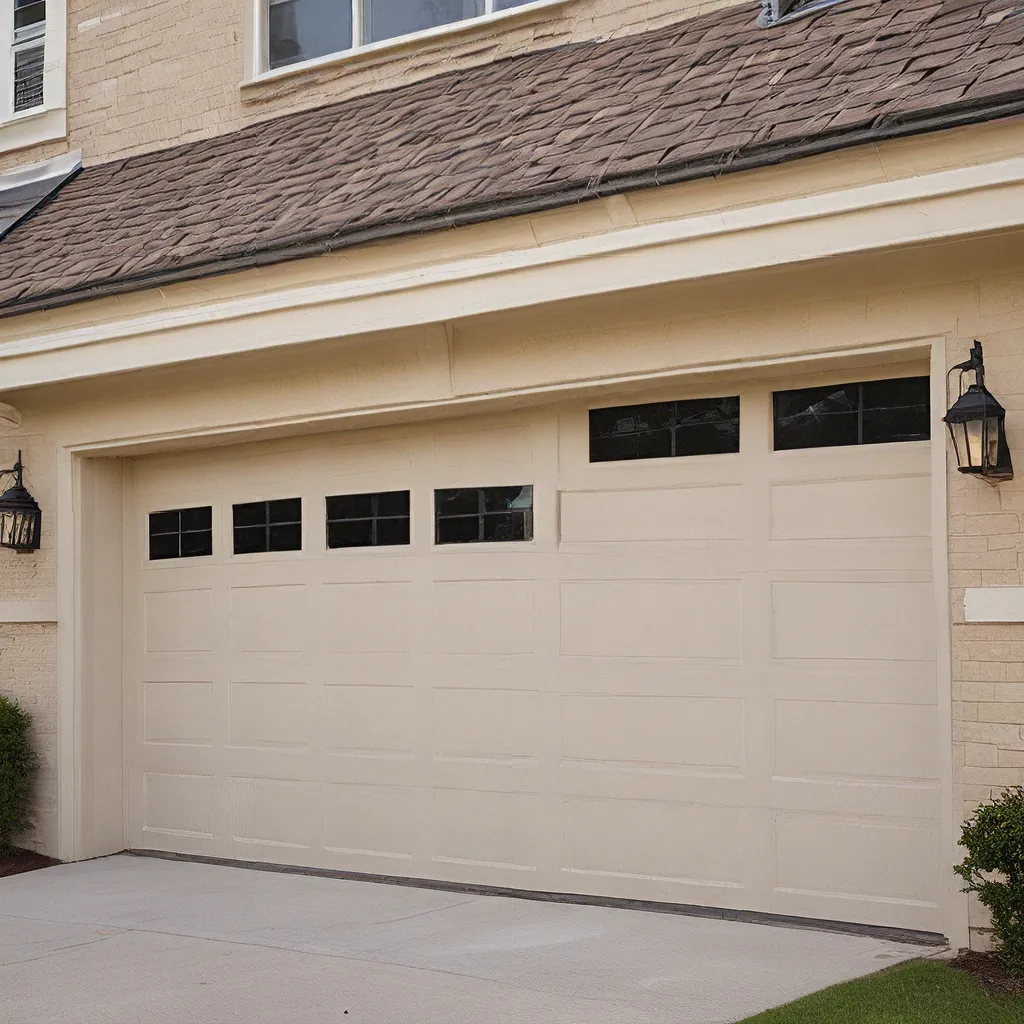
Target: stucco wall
(152, 73)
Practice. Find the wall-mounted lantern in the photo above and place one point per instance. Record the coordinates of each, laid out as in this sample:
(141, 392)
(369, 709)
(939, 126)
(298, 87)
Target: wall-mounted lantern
(21, 520)
(977, 423)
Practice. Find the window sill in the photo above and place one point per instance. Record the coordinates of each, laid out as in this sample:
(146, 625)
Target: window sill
(32, 128)
(359, 53)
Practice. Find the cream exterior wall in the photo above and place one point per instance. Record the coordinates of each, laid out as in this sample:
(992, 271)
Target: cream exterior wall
(941, 295)
(153, 73)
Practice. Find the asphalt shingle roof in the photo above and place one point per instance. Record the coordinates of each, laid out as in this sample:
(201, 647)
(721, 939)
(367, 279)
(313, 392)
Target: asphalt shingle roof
(708, 95)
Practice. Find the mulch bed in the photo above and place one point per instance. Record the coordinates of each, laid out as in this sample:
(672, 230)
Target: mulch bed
(24, 860)
(987, 969)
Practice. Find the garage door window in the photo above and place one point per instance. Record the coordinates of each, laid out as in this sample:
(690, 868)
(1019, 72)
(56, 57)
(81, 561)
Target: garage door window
(181, 533)
(268, 526)
(665, 430)
(473, 515)
(368, 520)
(869, 412)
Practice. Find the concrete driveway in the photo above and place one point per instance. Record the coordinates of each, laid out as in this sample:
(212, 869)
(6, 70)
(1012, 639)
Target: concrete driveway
(131, 939)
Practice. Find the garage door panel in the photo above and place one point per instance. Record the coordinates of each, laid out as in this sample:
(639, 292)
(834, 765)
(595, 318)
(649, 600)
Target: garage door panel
(654, 677)
(843, 740)
(481, 725)
(887, 799)
(274, 715)
(363, 669)
(639, 841)
(179, 621)
(660, 618)
(267, 812)
(178, 804)
(890, 860)
(486, 616)
(635, 515)
(269, 619)
(368, 617)
(872, 620)
(687, 734)
(873, 682)
(371, 722)
(374, 828)
(176, 712)
(897, 556)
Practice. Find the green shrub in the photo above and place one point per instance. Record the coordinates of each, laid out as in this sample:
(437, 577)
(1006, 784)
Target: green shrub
(18, 762)
(994, 869)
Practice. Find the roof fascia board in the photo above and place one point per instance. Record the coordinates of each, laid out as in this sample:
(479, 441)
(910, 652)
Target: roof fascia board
(927, 208)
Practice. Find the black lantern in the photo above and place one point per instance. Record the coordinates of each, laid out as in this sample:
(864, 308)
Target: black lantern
(977, 423)
(20, 517)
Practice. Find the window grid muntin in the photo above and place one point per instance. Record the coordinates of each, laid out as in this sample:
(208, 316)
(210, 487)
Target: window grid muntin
(862, 408)
(269, 522)
(483, 516)
(678, 417)
(374, 519)
(358, 23)
(179, 530)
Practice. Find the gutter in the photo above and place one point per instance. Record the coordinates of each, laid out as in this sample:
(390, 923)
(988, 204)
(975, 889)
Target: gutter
(956, 116)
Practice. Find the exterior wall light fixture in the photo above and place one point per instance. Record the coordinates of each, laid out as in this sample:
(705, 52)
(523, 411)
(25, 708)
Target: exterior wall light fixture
(977, 424)
(20, 517)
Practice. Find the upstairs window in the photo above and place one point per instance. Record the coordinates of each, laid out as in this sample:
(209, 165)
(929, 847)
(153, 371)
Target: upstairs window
(299, 30)
(27, 54)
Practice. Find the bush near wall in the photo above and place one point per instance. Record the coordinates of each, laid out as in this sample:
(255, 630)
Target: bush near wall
(994, 870)
(18, 763)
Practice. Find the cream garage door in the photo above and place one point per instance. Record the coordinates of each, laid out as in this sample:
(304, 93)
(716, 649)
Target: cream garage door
(705, 680)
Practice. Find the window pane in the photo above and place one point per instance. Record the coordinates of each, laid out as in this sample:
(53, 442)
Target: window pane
(393, 503)
(197, 518)
(385, 19)
(195, 545)
(26, 14)
(350, 506)
(164, 522)
(392, 531)
(464, 501)
(163, 546)
(508, 526)
(250, 540)
(460, 530)
(499, 499)
(709, 426)
(505, 5)
(897, 410)
(304, 29)
(816, 417)
(286, 538)
(28, 78)
(356, 533)
(252, 513)
(288, 510)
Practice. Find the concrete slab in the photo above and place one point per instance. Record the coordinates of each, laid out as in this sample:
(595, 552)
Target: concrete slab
(127, 939)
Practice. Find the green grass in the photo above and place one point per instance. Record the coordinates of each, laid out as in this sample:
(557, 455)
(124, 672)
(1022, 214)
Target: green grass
(924, 992)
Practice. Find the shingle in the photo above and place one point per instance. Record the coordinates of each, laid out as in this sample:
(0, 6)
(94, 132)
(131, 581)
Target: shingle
(546, 128)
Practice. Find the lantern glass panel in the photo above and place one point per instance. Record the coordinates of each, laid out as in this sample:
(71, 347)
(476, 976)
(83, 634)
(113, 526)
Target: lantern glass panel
(974, 429)
(992, 441)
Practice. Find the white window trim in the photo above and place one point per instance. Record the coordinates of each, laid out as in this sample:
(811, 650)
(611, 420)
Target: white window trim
(256, 71)
(48, 122)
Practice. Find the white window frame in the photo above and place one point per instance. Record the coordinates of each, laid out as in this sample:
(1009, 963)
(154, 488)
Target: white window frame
(258, 62)
(48, 122)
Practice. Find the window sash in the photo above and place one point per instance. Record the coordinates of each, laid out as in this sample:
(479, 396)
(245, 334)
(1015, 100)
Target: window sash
(359, 28)
(12, 43)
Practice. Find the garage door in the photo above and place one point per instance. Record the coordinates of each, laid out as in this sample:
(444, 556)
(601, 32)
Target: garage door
(666, 646)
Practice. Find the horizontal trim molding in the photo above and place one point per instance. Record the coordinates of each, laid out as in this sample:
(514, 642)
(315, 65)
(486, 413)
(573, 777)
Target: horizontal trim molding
(928, 208)
(28, 611)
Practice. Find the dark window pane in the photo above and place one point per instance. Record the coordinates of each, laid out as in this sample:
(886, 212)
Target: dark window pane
(304, 29)
(350, 506)
(393, 503)
(505, 5)
(26, 14)
(465, 500)
(287, 510)
(385, 19)
(816, 417)
(250, 539)
(194, 545)
(392, 531)
(164, 522)
(253, 513)
(661, 430)
(508, 527)
(499, 499)
(458, 530)
(357, 533)
(28, 78)
(897, 410)
(286, 538)
(197, 518)
(163, 546)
